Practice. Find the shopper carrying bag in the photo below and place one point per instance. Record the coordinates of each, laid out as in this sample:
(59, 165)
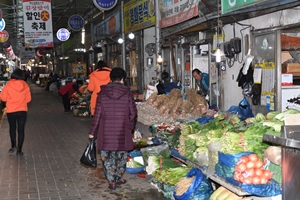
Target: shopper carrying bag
(88, 157)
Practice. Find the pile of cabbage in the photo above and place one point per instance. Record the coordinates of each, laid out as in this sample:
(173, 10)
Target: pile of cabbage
(232, 135)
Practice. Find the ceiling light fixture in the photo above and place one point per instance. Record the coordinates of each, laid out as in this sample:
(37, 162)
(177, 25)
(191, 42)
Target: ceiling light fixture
(159, 59)
(218, 53)
(131, 36)
(120, 40)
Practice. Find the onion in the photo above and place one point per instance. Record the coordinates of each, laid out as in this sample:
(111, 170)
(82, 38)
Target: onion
(240, 167)
(250, 165)
(256, 180)
(259, 164)
(267, 174)
(259, 172)
(253, 157)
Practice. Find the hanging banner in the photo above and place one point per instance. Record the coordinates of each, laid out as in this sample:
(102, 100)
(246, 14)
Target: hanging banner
(37, 23)
(107, 27)
(232, 5)
(76, 22)
(105, 4)
(139, 15)
(174, 11)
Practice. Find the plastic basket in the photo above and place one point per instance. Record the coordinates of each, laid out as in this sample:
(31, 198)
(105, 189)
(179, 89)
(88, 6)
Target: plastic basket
(134, 170)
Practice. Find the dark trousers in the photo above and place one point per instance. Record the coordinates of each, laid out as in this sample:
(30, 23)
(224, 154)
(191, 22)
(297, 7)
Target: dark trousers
(17, 121)
(66, 101)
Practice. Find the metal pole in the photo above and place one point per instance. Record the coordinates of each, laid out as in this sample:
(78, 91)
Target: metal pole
(123, 60)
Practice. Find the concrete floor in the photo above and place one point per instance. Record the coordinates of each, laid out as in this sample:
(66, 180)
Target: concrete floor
(50, 168)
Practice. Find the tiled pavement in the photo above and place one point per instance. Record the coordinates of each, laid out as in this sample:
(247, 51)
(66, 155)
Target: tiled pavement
(50, 168)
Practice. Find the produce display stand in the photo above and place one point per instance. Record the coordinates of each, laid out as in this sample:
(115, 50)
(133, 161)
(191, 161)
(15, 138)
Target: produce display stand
(214, 177)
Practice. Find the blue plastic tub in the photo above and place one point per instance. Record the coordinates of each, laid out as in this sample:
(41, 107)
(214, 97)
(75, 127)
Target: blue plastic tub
(134, 170)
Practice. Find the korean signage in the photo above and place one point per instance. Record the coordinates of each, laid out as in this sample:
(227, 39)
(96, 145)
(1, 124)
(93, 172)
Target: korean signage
(37, 23)
(105, 4)
(78, 68)
(232, 5)
(76, 22)
(138, 15)
(176, 11)
(2, 24)
(107, 27)
(63, 34)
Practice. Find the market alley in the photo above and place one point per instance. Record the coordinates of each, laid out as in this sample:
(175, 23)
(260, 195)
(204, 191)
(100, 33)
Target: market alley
(50, 167)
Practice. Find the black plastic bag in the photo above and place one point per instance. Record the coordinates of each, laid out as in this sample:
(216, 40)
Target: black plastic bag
(88, 157)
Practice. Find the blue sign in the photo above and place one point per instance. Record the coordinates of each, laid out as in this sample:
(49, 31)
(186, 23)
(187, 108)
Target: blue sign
(76, 22)
(2, 24)
(63, 34)
(105, 4)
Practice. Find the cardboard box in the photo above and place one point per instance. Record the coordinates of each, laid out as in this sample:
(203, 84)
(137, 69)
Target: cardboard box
(291, 68)
(286, 79)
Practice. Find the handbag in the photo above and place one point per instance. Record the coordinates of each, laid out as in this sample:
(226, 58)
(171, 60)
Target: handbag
(88, 157)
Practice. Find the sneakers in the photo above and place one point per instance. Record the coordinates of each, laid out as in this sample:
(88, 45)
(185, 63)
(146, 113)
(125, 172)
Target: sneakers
(11, 150)
(68, 110)
(112, 186)
(123, 181)
(20, 153)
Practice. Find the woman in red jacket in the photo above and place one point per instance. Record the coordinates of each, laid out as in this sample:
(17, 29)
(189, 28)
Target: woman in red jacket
(99, 77)
(113, 124)
(16, 94)
(67, 91)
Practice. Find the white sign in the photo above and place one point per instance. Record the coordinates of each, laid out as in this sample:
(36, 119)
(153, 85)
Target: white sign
(37, 23)
(2, 24)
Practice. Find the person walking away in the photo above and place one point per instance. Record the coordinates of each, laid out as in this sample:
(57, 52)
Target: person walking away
(67, 91)
(202, 80)
(16, 93)
(97, 78)
(113, 124)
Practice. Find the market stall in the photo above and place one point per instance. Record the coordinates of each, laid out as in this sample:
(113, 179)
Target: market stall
(230, 153)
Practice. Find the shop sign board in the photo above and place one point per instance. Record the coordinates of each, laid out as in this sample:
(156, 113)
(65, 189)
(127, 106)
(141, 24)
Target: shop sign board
(108, 27)
(2, 24)
(37, 23)
(139, 15)
(105, 4)
(232, 5)
(174, 11)
(76, 22)
(63, 34)
(4, 36)
(78, 68)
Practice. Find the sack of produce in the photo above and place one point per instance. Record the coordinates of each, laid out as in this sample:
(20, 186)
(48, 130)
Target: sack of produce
(227, 162)
(160, 150)
(194, 186)
(251, 176)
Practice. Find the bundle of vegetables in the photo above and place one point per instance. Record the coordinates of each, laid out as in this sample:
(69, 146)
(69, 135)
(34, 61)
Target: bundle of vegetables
(224, 194)
(157, 162)
(232, 143)
(131, 163)
(183, 185)
(249, 170)
(170, 176)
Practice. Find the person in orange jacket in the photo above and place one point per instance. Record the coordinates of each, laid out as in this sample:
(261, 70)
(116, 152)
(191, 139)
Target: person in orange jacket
(16, 93)
(97, 78)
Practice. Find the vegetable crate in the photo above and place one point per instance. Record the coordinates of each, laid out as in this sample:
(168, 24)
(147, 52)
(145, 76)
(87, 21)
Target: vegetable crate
(290, 142)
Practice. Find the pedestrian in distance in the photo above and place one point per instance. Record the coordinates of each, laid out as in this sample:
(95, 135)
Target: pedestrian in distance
(16, 93)
(67, 91)
(97, 78)
(113, 124)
